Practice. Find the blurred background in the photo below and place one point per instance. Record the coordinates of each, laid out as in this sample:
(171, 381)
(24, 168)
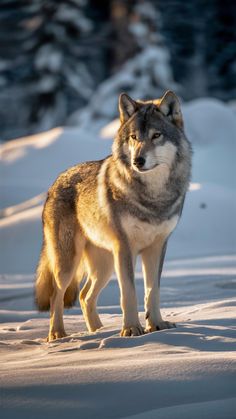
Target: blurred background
(58, 58)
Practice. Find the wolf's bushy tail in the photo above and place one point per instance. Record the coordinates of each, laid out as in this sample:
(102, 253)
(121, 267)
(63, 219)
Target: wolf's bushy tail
(45, 283)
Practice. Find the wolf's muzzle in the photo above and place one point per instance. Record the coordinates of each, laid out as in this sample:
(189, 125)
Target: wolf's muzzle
(139, 162)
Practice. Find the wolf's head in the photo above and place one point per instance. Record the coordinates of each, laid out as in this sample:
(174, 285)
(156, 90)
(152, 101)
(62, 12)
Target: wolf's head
(151, 132)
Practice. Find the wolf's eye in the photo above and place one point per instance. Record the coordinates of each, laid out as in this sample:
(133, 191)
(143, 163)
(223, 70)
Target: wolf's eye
(156, 135)
(133, 136)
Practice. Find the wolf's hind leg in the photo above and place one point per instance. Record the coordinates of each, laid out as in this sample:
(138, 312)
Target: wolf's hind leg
(64, 251)
(61, 282)
(100, 267)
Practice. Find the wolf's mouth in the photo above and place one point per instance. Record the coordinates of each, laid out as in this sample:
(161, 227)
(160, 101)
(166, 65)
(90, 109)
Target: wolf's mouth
(143, 170)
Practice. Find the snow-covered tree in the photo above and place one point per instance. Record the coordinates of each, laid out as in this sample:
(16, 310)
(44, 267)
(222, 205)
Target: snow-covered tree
(220, 48)
(44, 63)
(201, 38)
(146, 75)
(54, 55)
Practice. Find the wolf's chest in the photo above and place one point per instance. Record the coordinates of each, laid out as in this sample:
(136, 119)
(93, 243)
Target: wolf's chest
(141, 234)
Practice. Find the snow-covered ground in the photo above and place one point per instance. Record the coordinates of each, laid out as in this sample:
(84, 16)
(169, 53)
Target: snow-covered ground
(185, 372)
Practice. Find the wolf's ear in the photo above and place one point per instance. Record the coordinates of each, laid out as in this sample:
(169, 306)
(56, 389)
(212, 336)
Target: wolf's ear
(169, 105)
(127, 107)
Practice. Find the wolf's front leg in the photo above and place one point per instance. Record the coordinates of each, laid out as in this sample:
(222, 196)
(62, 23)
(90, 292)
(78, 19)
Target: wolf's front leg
(125, 273)
(152, 262)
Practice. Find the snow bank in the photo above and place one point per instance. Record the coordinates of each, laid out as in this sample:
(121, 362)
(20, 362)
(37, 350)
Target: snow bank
(29, 165)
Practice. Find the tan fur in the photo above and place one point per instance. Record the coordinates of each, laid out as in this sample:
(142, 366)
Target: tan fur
(44, 284)
(100, 266)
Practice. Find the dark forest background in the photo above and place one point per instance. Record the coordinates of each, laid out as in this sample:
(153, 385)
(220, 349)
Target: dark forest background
(55, 55)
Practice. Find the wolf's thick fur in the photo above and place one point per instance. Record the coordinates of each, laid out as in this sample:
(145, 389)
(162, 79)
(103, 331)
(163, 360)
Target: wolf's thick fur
(100, 215)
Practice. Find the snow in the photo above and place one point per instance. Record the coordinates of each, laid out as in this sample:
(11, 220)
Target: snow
(185, 372)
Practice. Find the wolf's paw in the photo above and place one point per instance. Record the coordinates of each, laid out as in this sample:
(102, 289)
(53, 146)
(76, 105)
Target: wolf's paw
(94, 324)
(56, 335)
(160, 325)
(136, 330)
(95, 327)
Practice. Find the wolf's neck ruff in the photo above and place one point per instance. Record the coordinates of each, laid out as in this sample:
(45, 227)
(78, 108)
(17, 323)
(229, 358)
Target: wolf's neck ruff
(157, 193)
(149, 196)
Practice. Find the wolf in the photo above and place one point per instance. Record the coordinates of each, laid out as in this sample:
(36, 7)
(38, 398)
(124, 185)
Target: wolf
(100, 215)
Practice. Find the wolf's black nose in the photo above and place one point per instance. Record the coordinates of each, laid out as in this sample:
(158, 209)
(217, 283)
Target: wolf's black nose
(139, 161)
